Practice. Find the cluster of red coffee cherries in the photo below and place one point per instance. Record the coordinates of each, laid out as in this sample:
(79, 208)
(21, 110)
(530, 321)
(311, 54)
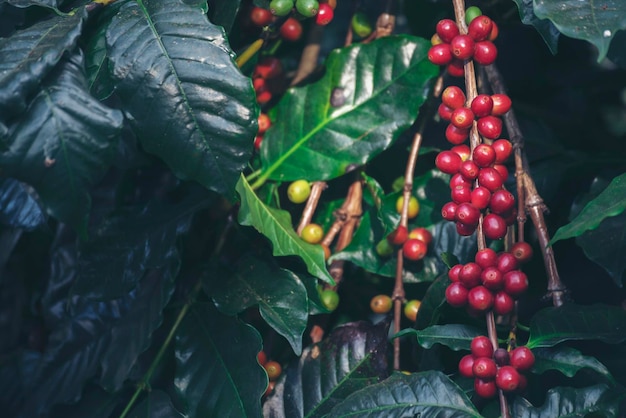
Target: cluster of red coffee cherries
(451, 48)
(265, 78)
(493, 370)
(492, 282)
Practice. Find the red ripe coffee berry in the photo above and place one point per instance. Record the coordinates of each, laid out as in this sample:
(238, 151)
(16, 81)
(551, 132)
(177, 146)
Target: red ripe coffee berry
(510, 217)
(463, 151)
(484, 155)
(264, 123)
(458, 180)
(501, 201)
(502, 170)
(421, 234)
(485, 388)
(448, 162)
(494, 32)
(445, 112)
(506, 262)
(515, 283)
(466, 365)
(482, 105)
(448, 211)
(257, 142)
(489, 178)
(503, 303)
(469, 275)
(490, 127)
(268, 67)
(259, 83)
(492, 278)
(507, 378)
(263, 96)
(480, 197)
(454, 272)
(494, 226)
(462, 47)
(456, 68)
(486, 257)
(467, 213)
(440, 54)
(522, 251)
(398, 236)
(462, 118)
(522, 358)
(503, 149)
(485, 52)
(465, 230)
(484, 368)
(501, 357)
(447, 30)
(456, 136)
(324, 15)
(291, 30)
(453, 97)
(461, 194)
(501, 104)
(481, 346)
(480, 298)
(260, 16)
(480, 28)
(414, 249)
(456, 295)
(469, 170)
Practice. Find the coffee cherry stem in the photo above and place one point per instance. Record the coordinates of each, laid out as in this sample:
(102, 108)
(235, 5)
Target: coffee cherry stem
(311, 204)
(249, 52)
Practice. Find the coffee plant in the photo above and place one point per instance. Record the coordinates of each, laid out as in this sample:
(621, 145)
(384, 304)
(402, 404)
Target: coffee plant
(303, 208)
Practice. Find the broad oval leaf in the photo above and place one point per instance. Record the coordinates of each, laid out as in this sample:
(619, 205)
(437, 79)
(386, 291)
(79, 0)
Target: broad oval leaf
(611, 202)
(64, 143)
(369, 94)
(454, 336)
(433, 301)
(18, 207)
(551, 326)
(281, 296)
(276, 225)
(546, 28)
(217, 373)
(187, 101)
(28, 55)
(424, 394)
(594, 21)
(564, 402)
(352, 357)
(568, 361)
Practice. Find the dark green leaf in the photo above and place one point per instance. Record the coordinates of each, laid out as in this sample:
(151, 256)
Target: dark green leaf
(94, 403)
(276, 225)
(18, 206)
(551, 326)
(546, 28)
(593, 21)
(454, 336)
(368, 96)
(130, 242)
(51, 4)
(281, 296)
(223, 12)
(64, 143)
(425, 394)
(569, 402)
(156, 405)
(217, 373)
(611, 202)
(617, 51)
(99, 80)
(28, 56)
(433, 301)
(352, 357)
(568, 361)
(188, 102)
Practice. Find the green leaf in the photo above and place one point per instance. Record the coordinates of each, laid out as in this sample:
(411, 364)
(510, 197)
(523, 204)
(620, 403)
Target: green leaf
(99, 79)
(454, 336)
(590, 20)
(611, 202)
(94, 403)
(217, 374)
(425, 394)
(568, 361)
(18, 207)
(130, 242)
(352, 357)
(368, 96)
(63, 144)
(566, 402)
(187, 101)
(276, 225)
(224, 12)
(551, 326)
(433, 301)
(156, 405)
(546, 28)
(51, 4)
(28, 56)
(281, 296)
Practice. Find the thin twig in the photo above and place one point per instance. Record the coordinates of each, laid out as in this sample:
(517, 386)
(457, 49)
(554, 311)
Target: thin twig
(311, 204)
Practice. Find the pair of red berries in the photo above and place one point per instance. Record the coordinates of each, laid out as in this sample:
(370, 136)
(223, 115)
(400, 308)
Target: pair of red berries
(451, 48)
(492, 281)
(497, 369)
(264, 124)
(414, 244)
(266, 71)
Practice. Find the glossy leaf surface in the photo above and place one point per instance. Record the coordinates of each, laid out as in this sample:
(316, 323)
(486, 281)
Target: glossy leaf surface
(156, 405)
(546, 28)
(194, 110)
(18, 207)
(568, 361)
(454, 336)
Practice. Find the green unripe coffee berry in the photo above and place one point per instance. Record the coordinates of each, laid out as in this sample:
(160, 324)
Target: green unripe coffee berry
(472, 13)
(330, 299)
(307, 8)
(281, 7)
(361, 25)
